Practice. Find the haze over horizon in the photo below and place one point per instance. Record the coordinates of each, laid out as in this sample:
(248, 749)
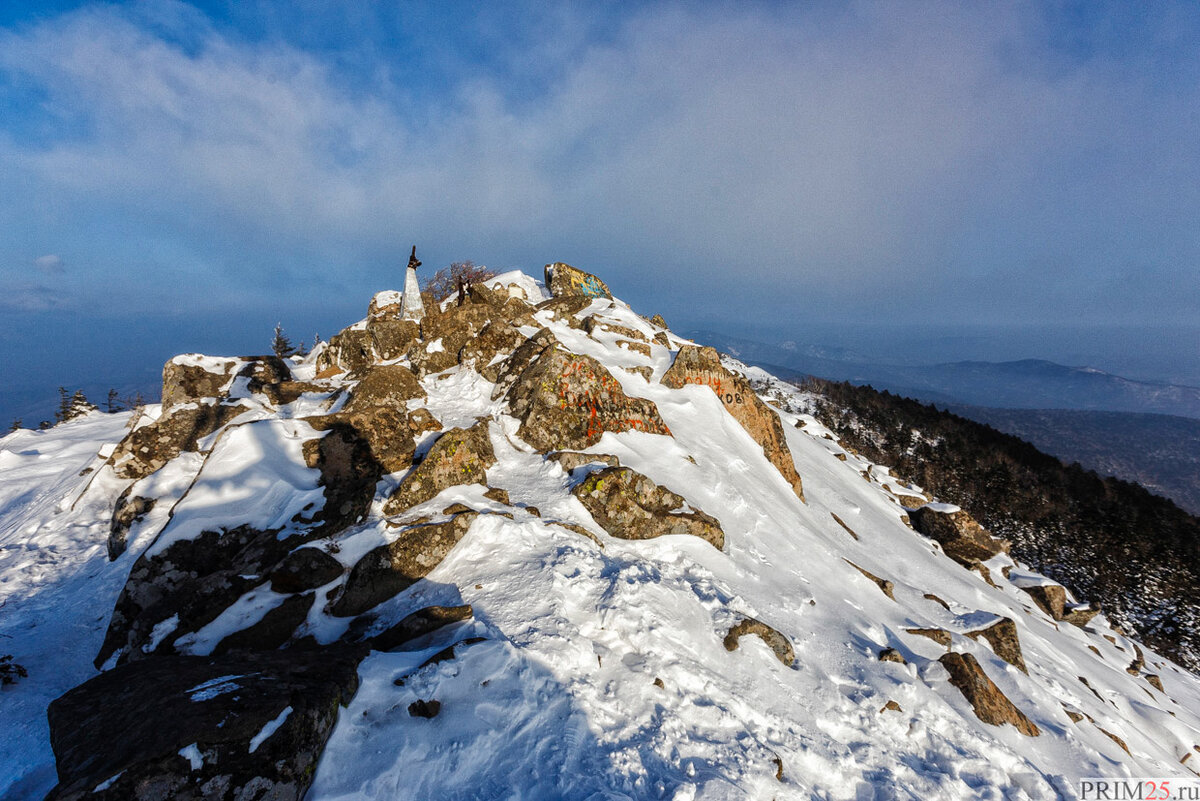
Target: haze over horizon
(993, 182)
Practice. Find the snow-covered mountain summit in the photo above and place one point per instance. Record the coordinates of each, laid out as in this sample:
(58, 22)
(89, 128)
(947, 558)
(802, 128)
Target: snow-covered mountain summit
(533, 546)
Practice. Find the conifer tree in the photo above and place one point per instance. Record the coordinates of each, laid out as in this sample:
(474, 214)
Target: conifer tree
(281, 345)
(113, 403)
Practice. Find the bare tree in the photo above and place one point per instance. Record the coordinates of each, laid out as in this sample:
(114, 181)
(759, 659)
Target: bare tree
(444, 282)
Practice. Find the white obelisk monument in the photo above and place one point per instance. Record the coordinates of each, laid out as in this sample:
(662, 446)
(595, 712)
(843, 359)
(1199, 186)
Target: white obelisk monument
(411, 307)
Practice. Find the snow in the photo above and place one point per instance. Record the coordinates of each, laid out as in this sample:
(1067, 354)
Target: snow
(944, 508)
(192, 754)
(255, 476)
(388, 297)
(270, 728)
(559, 699)
(215, 687)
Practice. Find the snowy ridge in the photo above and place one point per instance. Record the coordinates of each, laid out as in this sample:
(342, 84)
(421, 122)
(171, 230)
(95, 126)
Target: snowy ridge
(595, 668)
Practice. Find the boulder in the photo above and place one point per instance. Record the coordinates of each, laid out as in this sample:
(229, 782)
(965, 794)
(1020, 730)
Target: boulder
(696, 365)
(377, 416)
(566, 402)
(563, 280)
(390, 569)
(192, 377)
(129, 509)
(392, 338)
(630, 506)
(238, 726)
(892, 655)
(566, 309)
(990, 704)
(1002, 636)
(386, 304)
(963, 539)
(775, 640)
(496, 337)
(1050, 598)
(384, 385)
(505, 373)
(1079, 614)
(940, 636)
(460, 456)
(349, 350)
(657, 320)
(304, 569)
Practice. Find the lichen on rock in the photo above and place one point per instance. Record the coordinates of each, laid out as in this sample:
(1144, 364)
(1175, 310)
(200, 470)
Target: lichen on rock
(630, 506)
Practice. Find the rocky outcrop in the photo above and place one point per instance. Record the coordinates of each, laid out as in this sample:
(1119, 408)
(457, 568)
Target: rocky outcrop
(349, 350)
(1002, 636)
(192, 377)
(696, 365)
(961, 538)
(390, 569)
(240, 726)
(460, 456)
(630, 506)
(566, 402)
(147, 448)
(1052, 599)
(779, 644)
(990, 704)
(304, 569)
(563, 280)
(392, 338)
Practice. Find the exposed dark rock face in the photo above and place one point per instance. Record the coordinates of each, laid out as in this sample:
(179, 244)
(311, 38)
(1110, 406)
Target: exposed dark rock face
(304, 569)
(129, 510)
(963, 539)
(628, 505)
(274, 630)
(990, 705)
(779, 644)
(1052, 599)
(460, 456)
(563, 280)
(566, 402)
(180, 727)
(1002, 636)
(390, 569)
(695, 365)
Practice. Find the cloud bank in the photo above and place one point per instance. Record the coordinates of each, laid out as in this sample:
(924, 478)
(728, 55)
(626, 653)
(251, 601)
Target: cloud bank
(956, 162)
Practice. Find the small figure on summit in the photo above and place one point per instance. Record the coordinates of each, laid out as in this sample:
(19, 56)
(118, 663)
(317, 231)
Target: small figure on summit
(411, 308)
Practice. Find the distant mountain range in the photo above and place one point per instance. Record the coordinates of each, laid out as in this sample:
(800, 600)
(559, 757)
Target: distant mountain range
(1025, 384)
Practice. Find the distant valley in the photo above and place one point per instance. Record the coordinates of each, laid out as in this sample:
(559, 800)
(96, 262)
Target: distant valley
(1134, 430)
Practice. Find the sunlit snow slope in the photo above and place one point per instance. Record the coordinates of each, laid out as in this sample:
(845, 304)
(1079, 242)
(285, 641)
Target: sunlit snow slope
(595, 668)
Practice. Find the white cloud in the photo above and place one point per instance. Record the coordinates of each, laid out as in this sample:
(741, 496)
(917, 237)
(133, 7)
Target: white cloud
(51, 264)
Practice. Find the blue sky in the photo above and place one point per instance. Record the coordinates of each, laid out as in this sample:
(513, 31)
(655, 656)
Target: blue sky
(180, 177)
